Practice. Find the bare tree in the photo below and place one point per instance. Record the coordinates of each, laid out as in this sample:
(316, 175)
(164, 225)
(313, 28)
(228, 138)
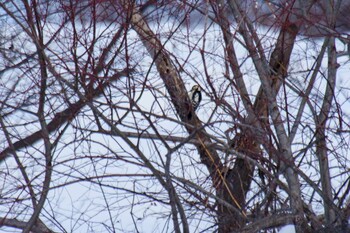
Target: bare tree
(99, 133)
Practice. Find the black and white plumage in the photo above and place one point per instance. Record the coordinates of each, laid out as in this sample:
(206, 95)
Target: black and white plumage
(195, 96)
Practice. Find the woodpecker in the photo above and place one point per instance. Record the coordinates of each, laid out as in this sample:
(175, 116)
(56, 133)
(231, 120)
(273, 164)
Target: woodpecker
(195, 96)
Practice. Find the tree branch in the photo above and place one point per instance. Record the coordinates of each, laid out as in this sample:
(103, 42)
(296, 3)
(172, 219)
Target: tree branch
(61, 118)
(37, 228)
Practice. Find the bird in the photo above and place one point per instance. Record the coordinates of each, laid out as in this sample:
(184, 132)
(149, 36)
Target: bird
(195, 96)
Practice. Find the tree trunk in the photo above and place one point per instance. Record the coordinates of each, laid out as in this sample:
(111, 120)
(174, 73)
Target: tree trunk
(238, 179)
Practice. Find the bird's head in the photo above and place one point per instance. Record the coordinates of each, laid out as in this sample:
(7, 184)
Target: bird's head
(196, 88)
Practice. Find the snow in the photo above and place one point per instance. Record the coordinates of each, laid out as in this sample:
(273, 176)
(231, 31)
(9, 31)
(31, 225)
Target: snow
(287, 229)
